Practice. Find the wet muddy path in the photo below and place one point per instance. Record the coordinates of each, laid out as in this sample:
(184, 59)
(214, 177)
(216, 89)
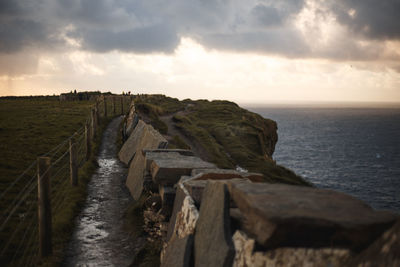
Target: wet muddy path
(99, 238)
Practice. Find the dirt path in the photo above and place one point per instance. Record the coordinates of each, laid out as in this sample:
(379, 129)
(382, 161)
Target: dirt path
(100, 238)
(197, 149)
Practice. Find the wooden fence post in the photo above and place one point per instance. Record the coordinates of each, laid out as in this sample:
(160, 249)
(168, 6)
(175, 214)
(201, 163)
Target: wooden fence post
(122, 105)
(73, 162)
(44, 207)
(105, 107)
(113, 104)
(97, 113)
(93, 121)
(88, 141)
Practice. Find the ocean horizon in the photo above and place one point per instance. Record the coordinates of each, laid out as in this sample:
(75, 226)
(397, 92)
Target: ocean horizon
(350, 148)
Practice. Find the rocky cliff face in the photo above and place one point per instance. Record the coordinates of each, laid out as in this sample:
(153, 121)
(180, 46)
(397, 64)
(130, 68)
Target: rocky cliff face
(218, 131)
(196, 214)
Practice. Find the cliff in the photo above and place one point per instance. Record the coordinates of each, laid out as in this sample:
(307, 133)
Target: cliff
(219, 132)
(196, 214)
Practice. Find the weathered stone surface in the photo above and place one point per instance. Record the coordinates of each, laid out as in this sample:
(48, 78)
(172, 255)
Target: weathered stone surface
(143, 137)
(184, 152)
(246, 256)
(168, 170)
(212, 241)
(186, 218)
(135, 178)
(180, 195)
(167, 194)
(131, 124)
(129, 148)
(385, 251)
(178, 252)
(283, 215)
(184, 215)
(151, 156)
(195, 187)
(215, 174)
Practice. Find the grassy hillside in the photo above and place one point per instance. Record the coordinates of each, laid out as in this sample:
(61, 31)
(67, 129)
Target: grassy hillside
(31, 127)
(229, 135)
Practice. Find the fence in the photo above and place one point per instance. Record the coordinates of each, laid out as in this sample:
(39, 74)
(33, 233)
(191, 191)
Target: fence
(36, 197)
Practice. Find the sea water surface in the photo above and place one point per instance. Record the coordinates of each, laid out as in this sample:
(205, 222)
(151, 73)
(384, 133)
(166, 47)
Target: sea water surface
(352, 150)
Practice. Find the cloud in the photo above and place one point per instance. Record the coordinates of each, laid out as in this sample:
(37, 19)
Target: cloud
(372, 19)
(338, 30)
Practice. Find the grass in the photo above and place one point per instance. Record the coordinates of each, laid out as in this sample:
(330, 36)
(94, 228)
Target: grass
(232, 136)
(30, 127)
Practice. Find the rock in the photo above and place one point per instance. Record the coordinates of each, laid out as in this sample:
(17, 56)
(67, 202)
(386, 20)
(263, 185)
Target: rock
(223, 174)
(195, 187)
(153, 202)
(212, 241)
(292, 257)
(131, 124)
(385, 251)
(135, 178)
(184, 214)
(184, 152)
(178, 252)
(151, 156)
(168, 170)
(129, 148)
(167, 194)
(186, 218)
(143, 137)
(283, 215)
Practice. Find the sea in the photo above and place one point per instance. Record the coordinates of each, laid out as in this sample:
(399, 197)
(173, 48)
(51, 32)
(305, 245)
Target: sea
(355, 150)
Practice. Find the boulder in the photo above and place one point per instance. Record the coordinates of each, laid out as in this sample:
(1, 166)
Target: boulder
(184, 214)
(168, 170)
(385, 251)
(143, 137)
(131, 124)
(212, 241)
(223, 174)
(135, 178)
(195, 187)
(178, 252)
(130, 146)
(280, 215)
(247, 256)
(167, 194)
(184, 152)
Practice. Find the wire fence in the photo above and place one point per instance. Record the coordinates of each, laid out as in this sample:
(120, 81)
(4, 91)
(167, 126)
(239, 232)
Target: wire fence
(19, 220)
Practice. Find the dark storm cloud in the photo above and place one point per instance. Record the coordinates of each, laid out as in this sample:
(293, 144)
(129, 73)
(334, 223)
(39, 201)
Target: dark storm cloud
(371, 18)
(263, 26)
(274, 41)
(143, 40)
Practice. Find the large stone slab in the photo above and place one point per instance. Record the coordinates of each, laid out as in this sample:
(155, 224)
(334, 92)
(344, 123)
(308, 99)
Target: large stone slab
(212, 242)
(195, 187)
(223, 174)
(143, 137)
(385, 251)
(131, 124)
(184, 152)
(131, 145)
(178, 252)
(168, 170)
(184, 215)
(180, 195)
(285, 257)
(283, 215)
(135, 178)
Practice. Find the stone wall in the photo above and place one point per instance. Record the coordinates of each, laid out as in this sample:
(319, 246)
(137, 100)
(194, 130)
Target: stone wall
(215, 217)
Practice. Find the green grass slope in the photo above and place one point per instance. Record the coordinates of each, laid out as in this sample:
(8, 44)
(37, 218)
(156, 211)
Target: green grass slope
(230, 135)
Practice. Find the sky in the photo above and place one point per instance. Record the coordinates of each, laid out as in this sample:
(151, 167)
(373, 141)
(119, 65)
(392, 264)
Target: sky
(253, 51)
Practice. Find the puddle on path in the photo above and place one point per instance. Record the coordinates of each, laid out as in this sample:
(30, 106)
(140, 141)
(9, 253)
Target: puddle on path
(99, 238)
